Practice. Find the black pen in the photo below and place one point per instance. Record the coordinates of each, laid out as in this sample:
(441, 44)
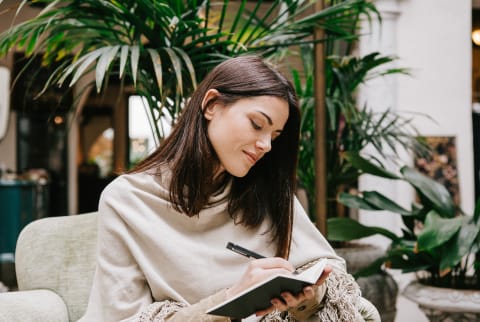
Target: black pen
(248, 253)
(243, 251)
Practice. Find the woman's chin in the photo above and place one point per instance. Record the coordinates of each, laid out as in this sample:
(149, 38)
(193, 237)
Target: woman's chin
(238, 172)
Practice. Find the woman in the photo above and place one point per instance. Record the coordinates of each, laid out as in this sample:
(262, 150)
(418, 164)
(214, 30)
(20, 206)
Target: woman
(226, 173)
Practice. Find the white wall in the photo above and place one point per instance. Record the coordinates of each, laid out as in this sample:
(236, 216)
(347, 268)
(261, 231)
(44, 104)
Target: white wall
(432, 38)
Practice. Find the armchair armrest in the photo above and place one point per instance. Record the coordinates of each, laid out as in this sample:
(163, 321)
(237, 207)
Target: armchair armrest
(368, 311)
(32, 306)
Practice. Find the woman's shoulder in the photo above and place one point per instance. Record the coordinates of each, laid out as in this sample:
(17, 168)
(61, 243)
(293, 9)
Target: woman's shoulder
(130, 184)
(131, 191)
(127, 182)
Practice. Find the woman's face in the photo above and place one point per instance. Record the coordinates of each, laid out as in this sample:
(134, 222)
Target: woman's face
(241, 133)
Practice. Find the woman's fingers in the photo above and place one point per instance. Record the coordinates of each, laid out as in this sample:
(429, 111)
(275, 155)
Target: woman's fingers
(293, 301)
(266, 311)
(272, 262)
(309, 292)
(258, 270)
(261, 269)
(326, 271)
(279, 305)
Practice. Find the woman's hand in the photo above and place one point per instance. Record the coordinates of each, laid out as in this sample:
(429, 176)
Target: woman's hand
(289, 301)
(259, 270)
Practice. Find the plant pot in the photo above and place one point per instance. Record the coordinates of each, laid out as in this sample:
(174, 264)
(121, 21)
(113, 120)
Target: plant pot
(445, 304)
(380, 289)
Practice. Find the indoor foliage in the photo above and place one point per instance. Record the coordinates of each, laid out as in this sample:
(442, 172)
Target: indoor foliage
(439, 241)
(350, 128)
(163, 47)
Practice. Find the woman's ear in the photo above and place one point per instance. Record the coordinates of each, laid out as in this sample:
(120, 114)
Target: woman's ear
(207, 107)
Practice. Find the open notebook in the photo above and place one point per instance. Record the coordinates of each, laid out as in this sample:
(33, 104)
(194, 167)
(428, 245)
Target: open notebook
(258, 296)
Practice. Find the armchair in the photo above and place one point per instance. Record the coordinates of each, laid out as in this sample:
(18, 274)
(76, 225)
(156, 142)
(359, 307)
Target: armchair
(55, 262)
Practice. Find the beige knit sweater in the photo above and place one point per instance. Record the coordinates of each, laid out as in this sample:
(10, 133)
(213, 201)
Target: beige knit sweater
(152, 258)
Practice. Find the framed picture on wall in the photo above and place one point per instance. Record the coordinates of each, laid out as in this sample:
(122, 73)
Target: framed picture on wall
(441, 164)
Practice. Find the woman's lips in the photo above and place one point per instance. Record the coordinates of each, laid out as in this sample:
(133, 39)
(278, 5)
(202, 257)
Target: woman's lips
(251, 156)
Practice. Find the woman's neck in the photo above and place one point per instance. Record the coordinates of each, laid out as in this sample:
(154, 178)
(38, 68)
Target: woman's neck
(219, 181)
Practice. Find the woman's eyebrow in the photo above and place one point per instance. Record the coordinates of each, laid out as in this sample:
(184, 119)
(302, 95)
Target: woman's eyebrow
(269, 120)
(267, 117)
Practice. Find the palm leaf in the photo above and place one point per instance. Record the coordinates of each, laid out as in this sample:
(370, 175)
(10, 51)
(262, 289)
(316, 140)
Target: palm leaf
(123, 59)
(103, 65)
(157, 67)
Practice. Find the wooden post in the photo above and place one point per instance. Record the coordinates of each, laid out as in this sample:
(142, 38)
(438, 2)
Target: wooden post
(320, 130)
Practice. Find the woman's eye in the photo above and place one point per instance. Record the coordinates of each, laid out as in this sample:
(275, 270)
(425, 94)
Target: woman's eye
(255, 125)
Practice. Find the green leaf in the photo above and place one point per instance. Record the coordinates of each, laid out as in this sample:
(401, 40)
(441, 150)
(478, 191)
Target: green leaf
(437, 230)
(381, 202)
(355, 202)
(32, 43)
(368, 167)
(177, 67)
(407, 260)
(134, 60)
(123, 59)
(436, 193)
(346, 229)
(103, 65)
(373, 268)
(85, 61)
(189, 65)
(460, 245)
(157, 67)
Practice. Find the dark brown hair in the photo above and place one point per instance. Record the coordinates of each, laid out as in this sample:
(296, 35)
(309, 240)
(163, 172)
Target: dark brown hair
(268, 188)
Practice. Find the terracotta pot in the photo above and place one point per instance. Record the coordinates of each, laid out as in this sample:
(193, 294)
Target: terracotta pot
(445, 304)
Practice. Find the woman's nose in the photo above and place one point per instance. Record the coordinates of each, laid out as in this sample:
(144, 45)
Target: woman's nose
(264, 144)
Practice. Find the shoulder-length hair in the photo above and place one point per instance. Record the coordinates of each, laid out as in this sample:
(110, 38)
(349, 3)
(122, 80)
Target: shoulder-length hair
(268, 188)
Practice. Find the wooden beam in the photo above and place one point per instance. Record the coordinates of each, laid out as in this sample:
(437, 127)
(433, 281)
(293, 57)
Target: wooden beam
(320, 130)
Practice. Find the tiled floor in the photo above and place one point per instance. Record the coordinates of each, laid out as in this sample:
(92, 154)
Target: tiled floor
(408, 311)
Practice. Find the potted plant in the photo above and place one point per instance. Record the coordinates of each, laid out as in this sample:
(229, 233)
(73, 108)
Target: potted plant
(439, 242)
